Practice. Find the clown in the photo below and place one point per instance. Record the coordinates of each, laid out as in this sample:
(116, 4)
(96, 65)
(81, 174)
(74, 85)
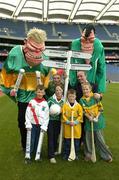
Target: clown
(89, 44)
(27, 57)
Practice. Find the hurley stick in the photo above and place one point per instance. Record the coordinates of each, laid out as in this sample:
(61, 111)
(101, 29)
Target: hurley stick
(65, 96)
(28, 144)
(93, 156)
(38, 77)
(19, 78)
(39, 147)
(18, 82)
(72, 155)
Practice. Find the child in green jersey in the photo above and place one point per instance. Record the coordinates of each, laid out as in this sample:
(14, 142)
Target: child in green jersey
(93, 112)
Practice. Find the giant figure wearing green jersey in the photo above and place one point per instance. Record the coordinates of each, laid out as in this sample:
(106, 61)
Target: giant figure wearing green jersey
(27, 57)
(90, 44)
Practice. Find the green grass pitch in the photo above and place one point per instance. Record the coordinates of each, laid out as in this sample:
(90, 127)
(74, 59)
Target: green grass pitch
(12, 166)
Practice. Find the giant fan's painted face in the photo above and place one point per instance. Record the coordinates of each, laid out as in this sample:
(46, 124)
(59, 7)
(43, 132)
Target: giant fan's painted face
(89, 39)
(87, 43)
(33, 52)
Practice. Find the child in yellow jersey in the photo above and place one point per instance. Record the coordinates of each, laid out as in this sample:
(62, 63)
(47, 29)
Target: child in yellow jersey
(93, 112)
(71, 106)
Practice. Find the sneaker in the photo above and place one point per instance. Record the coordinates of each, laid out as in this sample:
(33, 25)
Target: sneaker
(65, 157)
(77, 158)
(27, 161)
(39, 160)
(53, 160)
(86, 158)
(56, 153)
(109, 160)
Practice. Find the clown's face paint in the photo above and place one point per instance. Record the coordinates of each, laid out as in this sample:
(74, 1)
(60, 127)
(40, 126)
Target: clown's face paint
(87, 44)
(33, 52)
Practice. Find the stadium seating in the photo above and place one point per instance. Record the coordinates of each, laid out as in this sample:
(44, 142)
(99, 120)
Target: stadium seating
(67, 32)
(112, 72)
(10, 28)
(47, 27)
(113, 30)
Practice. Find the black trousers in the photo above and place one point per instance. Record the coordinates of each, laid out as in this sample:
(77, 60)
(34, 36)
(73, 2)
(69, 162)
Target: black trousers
(53, 135)
(21, 122)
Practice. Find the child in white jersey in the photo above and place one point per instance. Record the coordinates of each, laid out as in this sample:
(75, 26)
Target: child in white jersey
(37, 117)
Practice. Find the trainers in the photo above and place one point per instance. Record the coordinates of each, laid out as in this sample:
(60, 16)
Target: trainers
(86, 158)
(77, 158)
(27, 161)
(56, 153)
(39, 160)
(109, 160)
(53, 160)
(65, 157)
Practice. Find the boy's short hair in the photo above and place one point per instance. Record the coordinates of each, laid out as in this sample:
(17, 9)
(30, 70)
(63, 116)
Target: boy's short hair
(78, 72)
(40, 86)
(71, 91)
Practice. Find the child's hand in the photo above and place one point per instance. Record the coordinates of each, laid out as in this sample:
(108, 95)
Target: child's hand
(72, 124)
(95, 119)
(90, 118)
(97, 96)
(13, 92)
(28, 125)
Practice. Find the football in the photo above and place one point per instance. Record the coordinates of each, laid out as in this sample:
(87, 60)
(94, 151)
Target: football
(55, 109)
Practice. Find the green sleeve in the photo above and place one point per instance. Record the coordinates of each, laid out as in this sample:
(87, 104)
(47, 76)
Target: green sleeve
(100, 78)
(49, 102)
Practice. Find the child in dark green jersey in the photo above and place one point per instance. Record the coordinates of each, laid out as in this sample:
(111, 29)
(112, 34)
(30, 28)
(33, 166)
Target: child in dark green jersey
(54, 123)
(93, 112)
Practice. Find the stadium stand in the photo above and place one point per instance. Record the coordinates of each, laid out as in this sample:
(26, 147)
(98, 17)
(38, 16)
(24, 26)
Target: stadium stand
(113, 72)
(69, 31)
(60, 35)
(113, 30)
(13, 28)
(47, 27)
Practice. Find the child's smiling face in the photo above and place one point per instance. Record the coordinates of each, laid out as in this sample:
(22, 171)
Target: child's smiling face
(71, 98)
(59, 91)
(86, 90)
(40, 93)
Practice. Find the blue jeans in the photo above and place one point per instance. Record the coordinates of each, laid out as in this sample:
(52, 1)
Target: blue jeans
(67, 146)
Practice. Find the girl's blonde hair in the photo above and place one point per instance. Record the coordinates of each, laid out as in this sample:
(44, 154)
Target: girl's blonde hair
(86, 84)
